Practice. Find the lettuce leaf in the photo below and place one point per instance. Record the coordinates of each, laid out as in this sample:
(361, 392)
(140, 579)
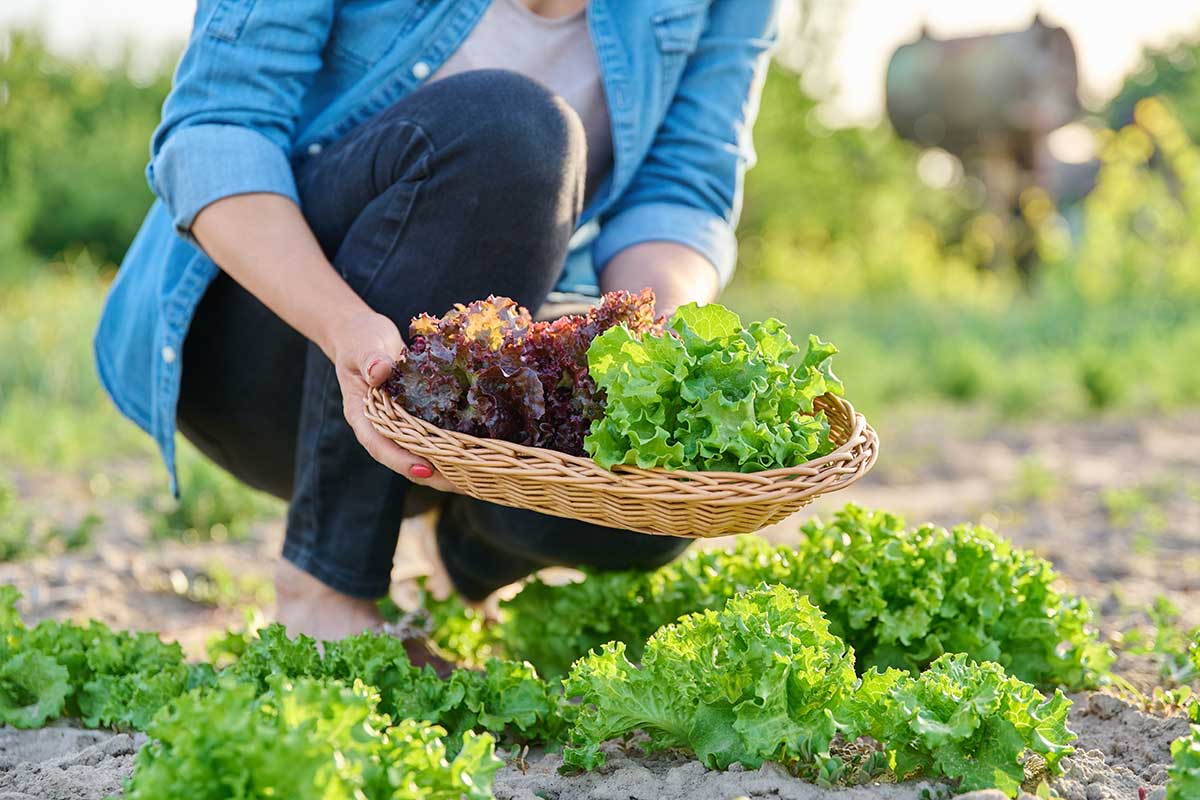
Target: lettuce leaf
(304, 738)
(273, 652)
(33, 690)
(709, 395)
(10, 620)
(1183, 778)
(900, 596)
(116, 679)
(904, 596)
(506, 698)
(488, 369)
(760, 680)
(764, 679)
(133, 676)
(963, 720)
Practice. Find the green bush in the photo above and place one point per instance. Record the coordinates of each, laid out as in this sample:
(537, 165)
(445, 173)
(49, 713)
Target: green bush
(889, 268)
(73, 149)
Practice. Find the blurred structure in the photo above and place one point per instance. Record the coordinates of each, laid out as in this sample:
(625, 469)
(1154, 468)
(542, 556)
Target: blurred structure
(992, 101)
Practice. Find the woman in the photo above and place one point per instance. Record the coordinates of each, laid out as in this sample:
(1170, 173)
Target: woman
(326, 169)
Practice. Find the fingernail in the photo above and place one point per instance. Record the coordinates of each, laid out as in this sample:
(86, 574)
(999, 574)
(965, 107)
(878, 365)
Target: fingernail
(371, 367)
(420, 471)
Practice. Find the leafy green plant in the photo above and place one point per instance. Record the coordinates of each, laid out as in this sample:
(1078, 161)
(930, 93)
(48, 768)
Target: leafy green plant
(106, 678)
(117, 679)
(713, 396)
(963, 720)
(463, 633)
(763, 679)
(900, 597)
(505, 697)
(33, 688)
(10, 618)
(1183, 778)
(903, 597)
(303, 738)
(1172, 645)
(120, 680)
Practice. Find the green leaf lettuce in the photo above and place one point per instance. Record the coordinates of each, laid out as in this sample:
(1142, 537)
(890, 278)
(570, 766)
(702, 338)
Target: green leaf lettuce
(709, 395)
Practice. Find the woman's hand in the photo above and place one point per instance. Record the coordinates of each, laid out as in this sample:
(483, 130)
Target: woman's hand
(264, 243)
(364, 346)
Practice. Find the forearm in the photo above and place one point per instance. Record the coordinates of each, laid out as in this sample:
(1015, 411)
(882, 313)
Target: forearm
(264, 243)
(677, 274)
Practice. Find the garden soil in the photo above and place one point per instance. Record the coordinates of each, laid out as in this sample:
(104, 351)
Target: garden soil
(64, 763)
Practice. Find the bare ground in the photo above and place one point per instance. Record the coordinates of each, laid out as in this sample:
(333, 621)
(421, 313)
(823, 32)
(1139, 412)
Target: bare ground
(1114, 503)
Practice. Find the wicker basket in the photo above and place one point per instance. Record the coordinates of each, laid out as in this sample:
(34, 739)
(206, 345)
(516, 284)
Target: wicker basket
(694, 504)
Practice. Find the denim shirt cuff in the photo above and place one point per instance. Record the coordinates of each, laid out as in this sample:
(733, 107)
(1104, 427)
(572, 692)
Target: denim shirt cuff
(703, 231)
(201, 164)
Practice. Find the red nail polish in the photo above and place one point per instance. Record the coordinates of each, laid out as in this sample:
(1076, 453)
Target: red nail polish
(420, 471)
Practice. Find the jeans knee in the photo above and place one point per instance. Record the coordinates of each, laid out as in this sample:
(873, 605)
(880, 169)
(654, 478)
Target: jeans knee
(524, 135)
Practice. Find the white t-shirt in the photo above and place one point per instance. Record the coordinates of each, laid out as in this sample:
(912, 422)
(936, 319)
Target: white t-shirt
(557, 53)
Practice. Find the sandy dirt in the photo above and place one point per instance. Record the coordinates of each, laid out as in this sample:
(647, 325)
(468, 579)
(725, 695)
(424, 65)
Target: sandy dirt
(1115, 504)
(64, 763)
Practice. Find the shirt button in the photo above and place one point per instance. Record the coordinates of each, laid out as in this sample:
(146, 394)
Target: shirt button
(421, 70)
(315, 149)
(168, 354)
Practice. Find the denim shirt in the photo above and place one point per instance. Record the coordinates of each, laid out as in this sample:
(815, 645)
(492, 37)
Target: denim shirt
(264, 84)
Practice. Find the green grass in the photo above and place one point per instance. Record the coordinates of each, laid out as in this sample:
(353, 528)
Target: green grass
(53, 413)
(55, 417)
(1029, 361)
(213, 506)
(22, 535)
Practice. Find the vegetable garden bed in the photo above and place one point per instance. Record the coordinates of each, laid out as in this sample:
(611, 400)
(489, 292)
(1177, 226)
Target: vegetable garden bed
(754, 674)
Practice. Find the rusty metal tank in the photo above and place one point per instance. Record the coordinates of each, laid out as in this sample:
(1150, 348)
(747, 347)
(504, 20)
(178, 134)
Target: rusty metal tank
(954, 93)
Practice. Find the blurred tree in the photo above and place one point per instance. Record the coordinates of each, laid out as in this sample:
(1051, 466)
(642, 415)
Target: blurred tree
(840, 196)
(73, 149)
(1170, 73)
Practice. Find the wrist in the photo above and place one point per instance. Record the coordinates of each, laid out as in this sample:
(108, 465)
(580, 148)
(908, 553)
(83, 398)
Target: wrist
(342, 326)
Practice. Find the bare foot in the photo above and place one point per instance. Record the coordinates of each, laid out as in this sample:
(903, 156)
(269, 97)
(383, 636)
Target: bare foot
(305, 605)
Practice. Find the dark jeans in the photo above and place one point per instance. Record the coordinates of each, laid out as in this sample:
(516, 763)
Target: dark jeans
(468, 187)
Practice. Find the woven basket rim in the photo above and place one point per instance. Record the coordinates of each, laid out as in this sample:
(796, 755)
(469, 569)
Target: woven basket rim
(858, 436)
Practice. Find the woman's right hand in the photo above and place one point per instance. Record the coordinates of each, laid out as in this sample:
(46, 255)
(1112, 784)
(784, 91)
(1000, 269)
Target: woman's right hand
(364, 347)
(263, 241)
